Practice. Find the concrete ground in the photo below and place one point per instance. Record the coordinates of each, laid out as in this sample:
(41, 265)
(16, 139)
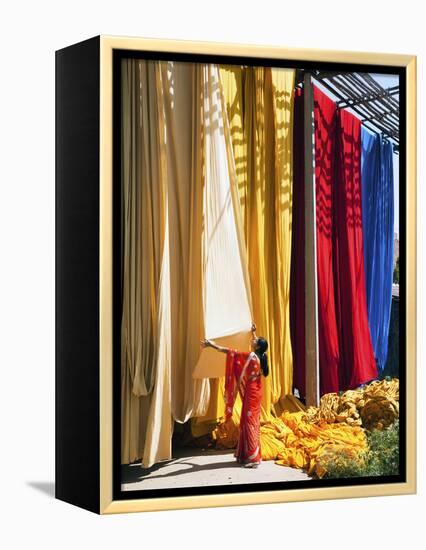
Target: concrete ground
(198, 468)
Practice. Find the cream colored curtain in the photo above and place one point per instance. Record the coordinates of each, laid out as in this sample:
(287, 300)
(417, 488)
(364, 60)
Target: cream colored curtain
(145, 326)
(163, 318)
(227, 307)
(183, 106)
(260, 111)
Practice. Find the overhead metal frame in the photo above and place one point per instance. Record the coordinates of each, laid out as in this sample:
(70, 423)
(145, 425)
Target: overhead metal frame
(376, 106)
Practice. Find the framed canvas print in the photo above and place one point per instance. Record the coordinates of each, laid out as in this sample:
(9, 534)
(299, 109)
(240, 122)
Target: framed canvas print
(235, 274)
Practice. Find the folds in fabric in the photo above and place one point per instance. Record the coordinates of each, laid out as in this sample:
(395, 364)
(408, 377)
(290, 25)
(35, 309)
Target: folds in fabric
(181, 226)
(325, 166)
(259, 105)
(183, 106)
(345, 348)
(359, 365)
(227, 296)
(378, 230)
(144, 205)
(227, 309)
(162, 255)
(145, 335)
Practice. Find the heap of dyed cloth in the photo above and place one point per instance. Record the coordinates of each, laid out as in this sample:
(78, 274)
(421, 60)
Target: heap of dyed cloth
(374, 406)
(303, 439)
(381, 407)
(290, 440)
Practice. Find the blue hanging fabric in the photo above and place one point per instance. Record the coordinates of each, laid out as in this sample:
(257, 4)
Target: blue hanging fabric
(378, 230)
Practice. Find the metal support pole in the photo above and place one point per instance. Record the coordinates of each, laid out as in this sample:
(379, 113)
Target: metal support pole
(311, 281)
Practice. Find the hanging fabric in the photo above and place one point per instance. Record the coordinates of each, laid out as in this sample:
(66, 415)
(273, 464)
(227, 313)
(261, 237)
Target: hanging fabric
(143, 214)
(357, 354)
(345, 349)
(185, 161)
(259, 104)
(297, 281)
(328, 332)
(378, 229)
(145, 328)
(227, 296)
(199, 292)
(227, 308)
(182, 88)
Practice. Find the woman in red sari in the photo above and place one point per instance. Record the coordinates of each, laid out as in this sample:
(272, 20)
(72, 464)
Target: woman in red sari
(243, 374)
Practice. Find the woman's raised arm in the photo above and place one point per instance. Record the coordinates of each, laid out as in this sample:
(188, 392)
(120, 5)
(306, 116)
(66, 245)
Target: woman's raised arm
(212, 344)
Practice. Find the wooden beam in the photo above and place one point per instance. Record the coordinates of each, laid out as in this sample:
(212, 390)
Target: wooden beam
(311, 281)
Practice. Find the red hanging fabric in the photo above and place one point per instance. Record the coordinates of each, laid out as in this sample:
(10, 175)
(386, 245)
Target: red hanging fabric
(346, 357)
(328, 334)
(297, 272)
(356, 350)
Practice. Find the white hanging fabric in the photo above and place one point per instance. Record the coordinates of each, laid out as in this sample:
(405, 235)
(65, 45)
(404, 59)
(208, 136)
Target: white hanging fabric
(226, 292)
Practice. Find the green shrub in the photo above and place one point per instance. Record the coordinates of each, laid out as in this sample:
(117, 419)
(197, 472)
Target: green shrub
(381, 459)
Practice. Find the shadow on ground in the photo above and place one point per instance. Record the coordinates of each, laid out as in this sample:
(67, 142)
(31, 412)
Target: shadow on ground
(46, 487)
(132, 473)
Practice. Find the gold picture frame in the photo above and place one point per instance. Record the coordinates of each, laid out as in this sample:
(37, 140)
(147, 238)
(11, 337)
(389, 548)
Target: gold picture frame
(106, 502)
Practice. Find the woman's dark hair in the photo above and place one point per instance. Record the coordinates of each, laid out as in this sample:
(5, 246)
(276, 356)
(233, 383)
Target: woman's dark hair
(261, 347)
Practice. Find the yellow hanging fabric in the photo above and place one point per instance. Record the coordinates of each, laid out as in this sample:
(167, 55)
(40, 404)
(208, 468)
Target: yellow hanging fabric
(258, 125)
(283, 81)
(260, 111)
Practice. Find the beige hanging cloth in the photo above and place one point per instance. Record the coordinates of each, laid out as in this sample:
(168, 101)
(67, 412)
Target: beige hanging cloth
(183, 108)
(145, 363)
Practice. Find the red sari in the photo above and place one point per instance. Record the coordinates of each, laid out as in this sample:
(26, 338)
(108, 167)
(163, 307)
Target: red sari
(243, 375)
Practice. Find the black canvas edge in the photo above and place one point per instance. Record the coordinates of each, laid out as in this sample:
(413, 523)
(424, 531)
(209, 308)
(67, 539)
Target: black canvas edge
(77, 426)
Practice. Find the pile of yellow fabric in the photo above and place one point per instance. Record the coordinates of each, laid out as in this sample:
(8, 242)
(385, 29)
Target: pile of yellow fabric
(374, 406)
(290, 440)
(381, 407)
(307, 439)
(226, 434)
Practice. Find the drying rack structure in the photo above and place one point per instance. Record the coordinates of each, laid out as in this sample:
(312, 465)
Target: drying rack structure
(378, 109)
